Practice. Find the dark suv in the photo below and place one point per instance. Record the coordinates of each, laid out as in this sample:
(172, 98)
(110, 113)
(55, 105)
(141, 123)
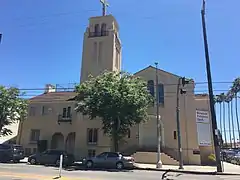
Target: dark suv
(11, 152)
(51, 157)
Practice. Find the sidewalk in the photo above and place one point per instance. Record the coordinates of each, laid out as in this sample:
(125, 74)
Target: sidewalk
(228, 169)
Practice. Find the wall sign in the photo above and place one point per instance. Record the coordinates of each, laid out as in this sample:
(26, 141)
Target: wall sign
(202, 116)
(203, 128)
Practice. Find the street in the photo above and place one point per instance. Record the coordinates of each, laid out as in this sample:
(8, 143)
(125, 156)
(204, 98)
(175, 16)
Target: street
(23, 171)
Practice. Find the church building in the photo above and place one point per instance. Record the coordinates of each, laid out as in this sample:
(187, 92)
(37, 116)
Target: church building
(53, 123)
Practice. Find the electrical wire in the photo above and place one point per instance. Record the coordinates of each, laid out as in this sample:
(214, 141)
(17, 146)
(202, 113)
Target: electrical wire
(172, 84)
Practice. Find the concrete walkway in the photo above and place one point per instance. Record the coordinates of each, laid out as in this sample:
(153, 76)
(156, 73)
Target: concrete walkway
(227, 168)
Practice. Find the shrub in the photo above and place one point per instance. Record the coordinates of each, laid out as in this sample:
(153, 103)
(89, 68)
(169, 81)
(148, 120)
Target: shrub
(212, 157)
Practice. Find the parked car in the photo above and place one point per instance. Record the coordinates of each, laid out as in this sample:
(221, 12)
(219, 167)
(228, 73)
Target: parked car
(109, 160)
(18, 152)
(11, 152)
(51, 157)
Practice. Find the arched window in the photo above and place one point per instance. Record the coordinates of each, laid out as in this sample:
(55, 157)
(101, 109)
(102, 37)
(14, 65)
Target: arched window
(104, 29)
(161, 93)
(150, 86)
(97, 30)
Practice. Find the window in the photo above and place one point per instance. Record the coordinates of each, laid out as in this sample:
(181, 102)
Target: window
(112, 155)
(92, 135)
(102, 155)
(129, 133)
(35, 135)
(174, 134)
(97, 30)
(69, 111)
(91, 153)
(64, 112)
(161, 93)
(55, 152)
(32, 111)
(150, 86)
(44, 110)
(104, 29)
(4, 146)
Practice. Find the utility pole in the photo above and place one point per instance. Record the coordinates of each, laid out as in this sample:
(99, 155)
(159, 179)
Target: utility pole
(183, 81)
(159, 161)
(210, 91)
(0, 37)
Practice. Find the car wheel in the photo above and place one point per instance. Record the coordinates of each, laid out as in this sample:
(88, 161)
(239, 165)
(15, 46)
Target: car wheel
(119, 165)
(32, 161)
(89, 164)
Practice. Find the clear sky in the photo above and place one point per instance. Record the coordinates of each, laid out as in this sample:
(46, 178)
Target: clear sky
(42, 40)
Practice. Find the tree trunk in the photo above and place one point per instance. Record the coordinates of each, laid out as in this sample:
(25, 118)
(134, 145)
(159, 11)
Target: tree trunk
(229, 124)
(1, 126)
(115, 135)
(236, 102)
(115, 142)
(233, 129)
(221, 121)
(224, 124)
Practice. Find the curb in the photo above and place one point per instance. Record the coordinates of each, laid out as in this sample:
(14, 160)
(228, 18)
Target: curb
(188, 172)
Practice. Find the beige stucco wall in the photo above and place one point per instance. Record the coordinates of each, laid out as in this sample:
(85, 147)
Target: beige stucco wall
(168, 115)
(202, 103)
(95, 62)
(188, 105)
(47, 124)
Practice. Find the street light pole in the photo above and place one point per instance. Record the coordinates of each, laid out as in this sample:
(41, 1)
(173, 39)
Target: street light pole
(159, 161)
(178, 126)
(210, 91)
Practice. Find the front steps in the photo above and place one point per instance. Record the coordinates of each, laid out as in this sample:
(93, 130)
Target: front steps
(151, 158)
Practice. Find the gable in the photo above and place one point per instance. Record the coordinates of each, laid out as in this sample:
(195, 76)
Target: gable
(151, 68)
(164, 77)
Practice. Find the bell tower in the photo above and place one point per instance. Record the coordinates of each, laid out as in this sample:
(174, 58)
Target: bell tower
(101, 46)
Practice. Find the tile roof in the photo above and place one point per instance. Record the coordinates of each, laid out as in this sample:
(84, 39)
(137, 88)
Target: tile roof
(53, 96)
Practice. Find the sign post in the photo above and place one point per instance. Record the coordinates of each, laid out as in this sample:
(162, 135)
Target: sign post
(60, 165)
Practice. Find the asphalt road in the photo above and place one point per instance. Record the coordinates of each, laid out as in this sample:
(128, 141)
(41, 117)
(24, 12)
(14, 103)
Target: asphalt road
(23, 171)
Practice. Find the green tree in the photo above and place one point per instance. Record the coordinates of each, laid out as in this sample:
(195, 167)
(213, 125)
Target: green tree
(12, 108)
(120, 100)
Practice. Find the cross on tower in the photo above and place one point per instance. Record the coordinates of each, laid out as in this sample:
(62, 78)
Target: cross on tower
(105, 5)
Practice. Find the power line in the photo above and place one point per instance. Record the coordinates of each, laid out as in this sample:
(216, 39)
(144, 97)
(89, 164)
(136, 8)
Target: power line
(61, 14)
(168, 92)
(187, 95)
(171, 84)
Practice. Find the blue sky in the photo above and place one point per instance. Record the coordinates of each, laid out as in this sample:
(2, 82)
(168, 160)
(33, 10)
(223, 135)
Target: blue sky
(42, 40)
